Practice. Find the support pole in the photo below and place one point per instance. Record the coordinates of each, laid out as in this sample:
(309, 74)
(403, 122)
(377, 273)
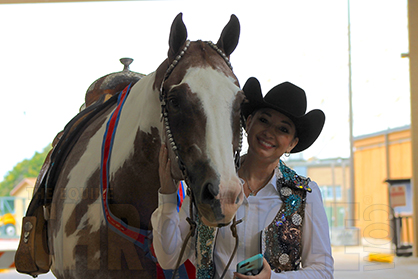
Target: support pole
(351, 194)
(413, 72)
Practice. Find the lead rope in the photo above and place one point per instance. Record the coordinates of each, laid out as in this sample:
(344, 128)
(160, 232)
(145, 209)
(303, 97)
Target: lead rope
(235, 235)
(192, 232)
(234, 221)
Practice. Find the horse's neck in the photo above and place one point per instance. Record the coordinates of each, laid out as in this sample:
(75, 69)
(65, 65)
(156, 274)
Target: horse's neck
(140, 112)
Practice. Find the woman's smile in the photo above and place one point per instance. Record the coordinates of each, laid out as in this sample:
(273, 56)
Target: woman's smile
(265, 143)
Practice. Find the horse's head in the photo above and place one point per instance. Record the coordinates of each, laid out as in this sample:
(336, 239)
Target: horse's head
(201, 104)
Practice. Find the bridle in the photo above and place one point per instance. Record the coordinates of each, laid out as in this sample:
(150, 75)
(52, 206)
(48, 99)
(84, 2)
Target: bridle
(164, 110)
(164, 116)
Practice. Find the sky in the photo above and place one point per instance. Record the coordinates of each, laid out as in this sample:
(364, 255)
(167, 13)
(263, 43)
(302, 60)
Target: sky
(51, 53)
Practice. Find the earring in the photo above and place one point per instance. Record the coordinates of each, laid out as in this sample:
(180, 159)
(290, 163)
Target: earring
(287, 154)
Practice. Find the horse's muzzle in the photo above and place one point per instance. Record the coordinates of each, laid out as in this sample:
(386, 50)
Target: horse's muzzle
(218, 204)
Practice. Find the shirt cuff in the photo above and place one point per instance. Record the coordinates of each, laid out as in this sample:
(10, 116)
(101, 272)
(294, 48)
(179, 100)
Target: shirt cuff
(167, 201)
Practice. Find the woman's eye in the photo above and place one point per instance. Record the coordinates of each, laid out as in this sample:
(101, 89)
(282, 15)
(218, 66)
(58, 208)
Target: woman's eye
(284, 130)
(262, 119)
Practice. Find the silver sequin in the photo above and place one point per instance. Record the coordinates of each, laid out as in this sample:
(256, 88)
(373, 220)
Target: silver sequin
(286, 191)
(297, 219)
(284, 259)
(278, 173)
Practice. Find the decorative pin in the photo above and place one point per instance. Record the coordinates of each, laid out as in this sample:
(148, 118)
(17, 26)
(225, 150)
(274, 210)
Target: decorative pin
(28, 226)
(284, 259)
(285, 191)
(279, 223)
(297, 219)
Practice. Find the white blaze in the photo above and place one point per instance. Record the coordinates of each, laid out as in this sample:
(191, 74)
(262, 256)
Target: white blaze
(217, 93)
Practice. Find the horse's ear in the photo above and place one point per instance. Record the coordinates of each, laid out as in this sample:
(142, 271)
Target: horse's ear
(229, 36)
(178, 35)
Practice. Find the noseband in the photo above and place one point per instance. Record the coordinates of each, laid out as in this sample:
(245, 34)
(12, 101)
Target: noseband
(164, 115)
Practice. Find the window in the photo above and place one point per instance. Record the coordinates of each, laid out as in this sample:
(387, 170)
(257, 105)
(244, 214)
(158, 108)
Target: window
(338, 192)
(327, 192)
(330, 194)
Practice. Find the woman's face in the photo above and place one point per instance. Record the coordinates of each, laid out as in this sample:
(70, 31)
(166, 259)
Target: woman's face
(270, 134)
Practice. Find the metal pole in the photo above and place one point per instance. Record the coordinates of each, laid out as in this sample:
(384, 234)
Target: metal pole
(334, 197)
(351, 194)
(413, 72)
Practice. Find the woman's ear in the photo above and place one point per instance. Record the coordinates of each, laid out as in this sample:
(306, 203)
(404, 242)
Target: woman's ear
(293, 144)
(248, 122)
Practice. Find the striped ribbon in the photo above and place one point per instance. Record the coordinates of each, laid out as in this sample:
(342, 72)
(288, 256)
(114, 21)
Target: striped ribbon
(138, 236)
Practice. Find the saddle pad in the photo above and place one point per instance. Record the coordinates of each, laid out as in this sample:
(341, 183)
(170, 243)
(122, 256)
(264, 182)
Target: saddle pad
(72, 131)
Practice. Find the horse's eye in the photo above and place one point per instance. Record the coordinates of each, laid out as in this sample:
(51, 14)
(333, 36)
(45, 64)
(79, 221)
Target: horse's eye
(174, 103)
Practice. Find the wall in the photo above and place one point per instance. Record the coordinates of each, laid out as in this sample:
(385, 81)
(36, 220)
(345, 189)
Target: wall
(328, 177)
(378, 157)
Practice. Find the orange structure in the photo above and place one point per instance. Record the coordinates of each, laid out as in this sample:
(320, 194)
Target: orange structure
(379, 158)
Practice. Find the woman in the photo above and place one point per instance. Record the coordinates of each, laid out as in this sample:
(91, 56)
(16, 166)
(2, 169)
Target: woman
(283, 215)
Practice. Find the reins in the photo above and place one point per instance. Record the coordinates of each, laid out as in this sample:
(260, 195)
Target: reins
(235, 235)
(164, 116)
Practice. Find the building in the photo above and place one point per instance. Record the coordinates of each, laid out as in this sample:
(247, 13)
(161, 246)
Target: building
(22, 194)
(380, 160)
(333, 179)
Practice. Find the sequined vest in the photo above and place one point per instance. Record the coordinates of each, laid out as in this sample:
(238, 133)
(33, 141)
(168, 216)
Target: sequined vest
(281, 241)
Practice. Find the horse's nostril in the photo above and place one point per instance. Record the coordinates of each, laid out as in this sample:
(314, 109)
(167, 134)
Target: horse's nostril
(213, 189)
(210, 191)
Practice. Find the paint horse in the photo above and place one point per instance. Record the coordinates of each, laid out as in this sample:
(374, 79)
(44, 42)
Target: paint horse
(106, 191)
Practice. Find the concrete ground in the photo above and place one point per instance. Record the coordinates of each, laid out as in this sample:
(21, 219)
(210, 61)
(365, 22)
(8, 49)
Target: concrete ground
(353, 262)
(349, 262)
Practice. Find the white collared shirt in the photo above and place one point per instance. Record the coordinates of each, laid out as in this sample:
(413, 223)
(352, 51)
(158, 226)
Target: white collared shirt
(257, 212)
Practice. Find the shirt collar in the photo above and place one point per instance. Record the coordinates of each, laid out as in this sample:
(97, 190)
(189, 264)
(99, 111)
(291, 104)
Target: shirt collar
(272, 184)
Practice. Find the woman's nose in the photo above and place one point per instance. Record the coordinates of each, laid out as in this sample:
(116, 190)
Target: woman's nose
(269, 131)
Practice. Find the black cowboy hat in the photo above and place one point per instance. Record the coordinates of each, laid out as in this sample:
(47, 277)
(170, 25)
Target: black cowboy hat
(290, 100)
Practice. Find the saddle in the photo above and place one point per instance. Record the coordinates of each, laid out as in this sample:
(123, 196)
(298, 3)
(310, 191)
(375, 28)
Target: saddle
(32, 256)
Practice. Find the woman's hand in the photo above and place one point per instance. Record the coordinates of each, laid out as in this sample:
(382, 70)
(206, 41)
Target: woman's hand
(168, 186)
(265, 273)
